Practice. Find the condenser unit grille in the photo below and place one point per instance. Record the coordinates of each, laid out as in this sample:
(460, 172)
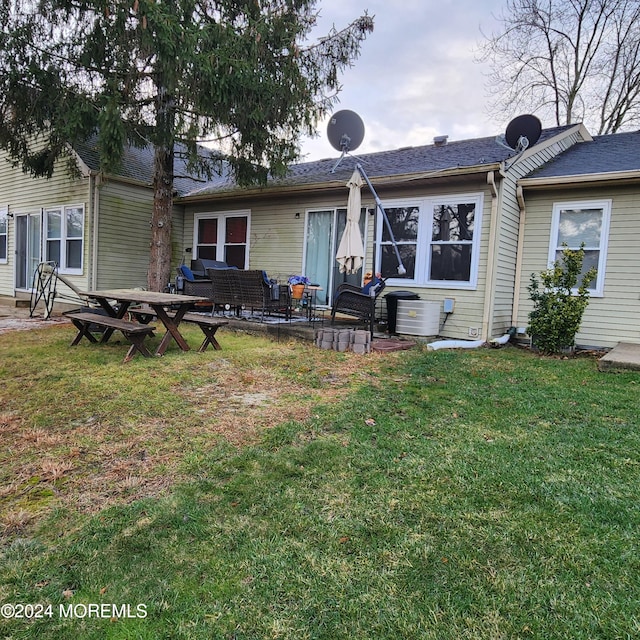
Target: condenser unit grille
(418, 317)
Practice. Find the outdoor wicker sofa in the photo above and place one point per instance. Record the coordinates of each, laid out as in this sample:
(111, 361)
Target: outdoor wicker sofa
(238, 289)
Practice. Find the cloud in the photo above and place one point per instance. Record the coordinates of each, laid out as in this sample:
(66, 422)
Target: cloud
(417, 76)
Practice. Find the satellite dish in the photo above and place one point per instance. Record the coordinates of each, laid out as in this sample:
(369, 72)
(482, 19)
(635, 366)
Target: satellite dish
(523, 131)
(345, 131)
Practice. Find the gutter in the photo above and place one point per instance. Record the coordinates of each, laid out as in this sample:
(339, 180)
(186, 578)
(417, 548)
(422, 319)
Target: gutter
(454, 171)
(277, 191)
(630, 176)
(489, 291)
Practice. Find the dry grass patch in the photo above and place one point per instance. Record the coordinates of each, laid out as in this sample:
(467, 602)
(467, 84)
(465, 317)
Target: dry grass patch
(238, 406)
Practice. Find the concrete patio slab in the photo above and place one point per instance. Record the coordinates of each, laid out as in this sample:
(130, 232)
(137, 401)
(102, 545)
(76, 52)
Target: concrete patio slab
(623, 356)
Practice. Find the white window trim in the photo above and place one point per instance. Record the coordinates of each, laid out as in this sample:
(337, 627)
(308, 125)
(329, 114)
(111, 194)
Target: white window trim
(62, 267)
(223, 215)
(4, 213)
(424, 240)
(605, 205)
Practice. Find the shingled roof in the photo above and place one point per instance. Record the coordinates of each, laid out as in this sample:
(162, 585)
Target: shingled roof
(137, 165)
(614, 153)
(456, 155)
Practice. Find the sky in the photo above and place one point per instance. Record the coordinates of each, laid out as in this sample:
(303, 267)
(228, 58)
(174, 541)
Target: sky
(417, 76)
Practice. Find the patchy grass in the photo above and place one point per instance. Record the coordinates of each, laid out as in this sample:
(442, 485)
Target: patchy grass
(87, 431)
(279, 491)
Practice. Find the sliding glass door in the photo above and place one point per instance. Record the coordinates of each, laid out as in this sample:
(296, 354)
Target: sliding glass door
(323, 232)
(28, 249)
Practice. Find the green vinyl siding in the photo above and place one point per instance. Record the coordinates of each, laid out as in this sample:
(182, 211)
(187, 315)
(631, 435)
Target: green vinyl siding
(124, 235)
(505, 256)
(613, 317)
(22, 193)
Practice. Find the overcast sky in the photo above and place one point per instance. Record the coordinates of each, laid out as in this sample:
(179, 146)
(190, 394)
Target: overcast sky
(416, 77)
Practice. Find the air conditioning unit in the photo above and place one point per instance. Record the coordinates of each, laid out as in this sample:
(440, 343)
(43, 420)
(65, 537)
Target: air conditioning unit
(418, 317)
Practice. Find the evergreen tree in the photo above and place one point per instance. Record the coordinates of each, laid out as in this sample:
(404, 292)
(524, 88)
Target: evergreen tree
(167, 73)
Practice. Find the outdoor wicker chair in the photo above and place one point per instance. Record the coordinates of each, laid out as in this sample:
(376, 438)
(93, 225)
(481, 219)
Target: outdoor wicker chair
(357, 302)
(194, 286)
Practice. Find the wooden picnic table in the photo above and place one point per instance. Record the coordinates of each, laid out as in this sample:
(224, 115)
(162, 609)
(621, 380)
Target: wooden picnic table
(157, 301)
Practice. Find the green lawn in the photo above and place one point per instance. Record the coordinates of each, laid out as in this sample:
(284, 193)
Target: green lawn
(279, 491)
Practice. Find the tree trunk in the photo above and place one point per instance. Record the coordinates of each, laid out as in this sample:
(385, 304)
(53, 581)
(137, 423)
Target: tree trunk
(159, 274)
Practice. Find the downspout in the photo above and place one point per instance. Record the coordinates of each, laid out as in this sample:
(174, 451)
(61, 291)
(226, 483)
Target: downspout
(519, 250)
(466, 344)
(97, 181)
(489, 292)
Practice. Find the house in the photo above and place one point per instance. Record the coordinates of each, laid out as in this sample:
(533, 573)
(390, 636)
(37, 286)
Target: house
(590, 194)
(472, 220)
(454, 212)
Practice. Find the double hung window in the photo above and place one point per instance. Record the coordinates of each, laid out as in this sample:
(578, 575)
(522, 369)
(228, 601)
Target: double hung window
(64, 237)
(585, 223)
(451, 243)
(223, 237)
(438, 240)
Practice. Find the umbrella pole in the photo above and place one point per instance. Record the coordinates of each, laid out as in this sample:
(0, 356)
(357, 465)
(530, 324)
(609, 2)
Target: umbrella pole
(401, 268)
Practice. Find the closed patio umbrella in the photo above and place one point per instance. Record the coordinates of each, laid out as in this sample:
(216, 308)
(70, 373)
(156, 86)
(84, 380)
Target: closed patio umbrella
(350, 254)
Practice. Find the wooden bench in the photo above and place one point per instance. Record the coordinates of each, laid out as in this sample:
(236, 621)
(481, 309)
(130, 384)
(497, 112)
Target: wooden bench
(207, 324)
(134, 332)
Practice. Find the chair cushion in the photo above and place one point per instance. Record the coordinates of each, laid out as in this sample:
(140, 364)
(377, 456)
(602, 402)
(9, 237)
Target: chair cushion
(187, 273)
(374, 283)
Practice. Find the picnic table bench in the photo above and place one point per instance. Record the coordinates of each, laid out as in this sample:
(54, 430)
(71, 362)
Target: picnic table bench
(159, 302)
(134, 332)
(208, 325)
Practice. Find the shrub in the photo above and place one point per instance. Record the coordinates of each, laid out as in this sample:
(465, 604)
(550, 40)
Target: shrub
(558, 302)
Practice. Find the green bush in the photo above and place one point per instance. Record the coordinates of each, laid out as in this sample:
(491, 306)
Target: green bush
(558, 302)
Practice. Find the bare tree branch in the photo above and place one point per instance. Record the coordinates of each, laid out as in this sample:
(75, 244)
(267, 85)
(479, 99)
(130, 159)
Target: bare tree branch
(569, 60)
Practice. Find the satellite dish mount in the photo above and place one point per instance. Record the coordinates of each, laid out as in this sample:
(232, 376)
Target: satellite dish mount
(346, 133)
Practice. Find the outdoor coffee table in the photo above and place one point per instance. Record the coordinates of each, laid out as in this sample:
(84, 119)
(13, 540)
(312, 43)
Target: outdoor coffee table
(157, 301)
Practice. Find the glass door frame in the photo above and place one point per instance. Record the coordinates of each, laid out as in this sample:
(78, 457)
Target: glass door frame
(28, 243)
(334, 276)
